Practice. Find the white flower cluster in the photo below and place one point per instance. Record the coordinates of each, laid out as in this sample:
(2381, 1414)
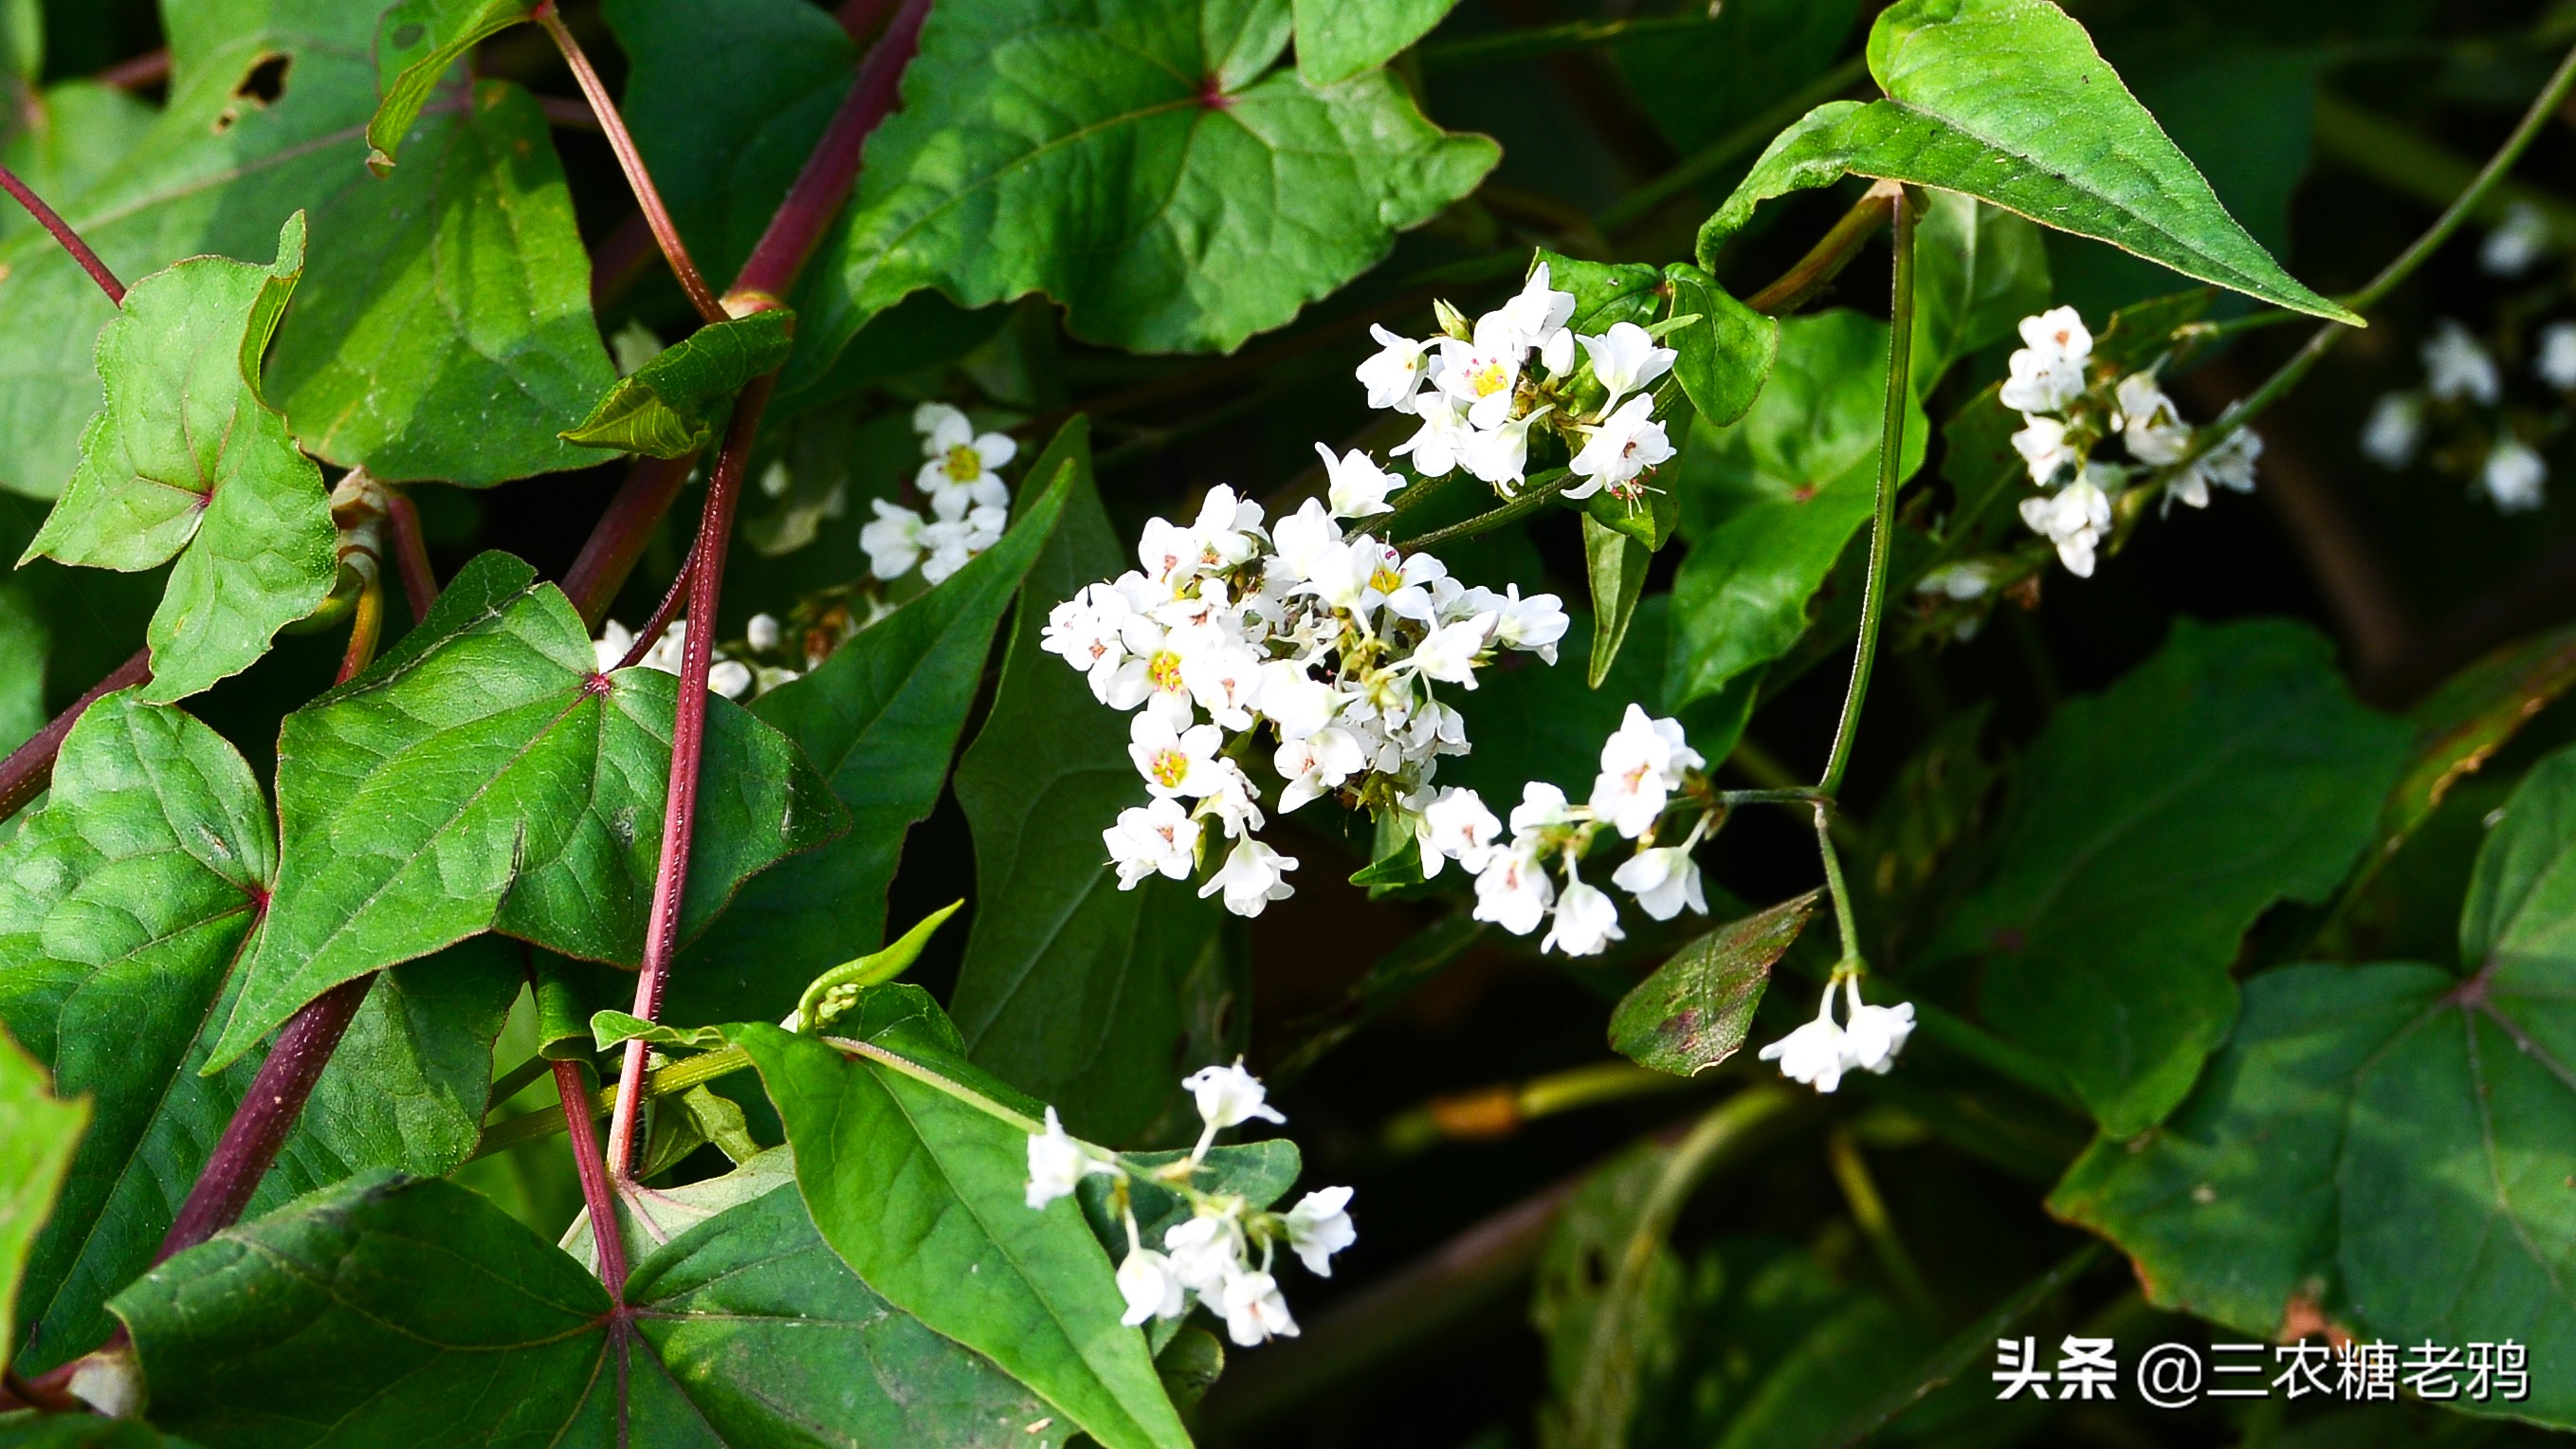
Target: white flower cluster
(727, 677)
(1479, 389)
(2067, 410)
(1210, 1256)
(1646, 766)
(1866, 1040)
(969, 504)
(1334, 641)
(2461, 379)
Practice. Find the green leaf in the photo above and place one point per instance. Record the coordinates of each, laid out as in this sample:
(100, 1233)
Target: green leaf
(1071, 987)
(445, 331)
(613, 1029)
(2150, 825)
(1727, 354)
(409, 1082)
(671, 406)
(1695, 1010)
(1769, 504)
(922, 1195)
(32, 1429)
(1978, 270)
(1145, 166)
(187, 459)
(2007, 100)
(482, 776)
(1261, 1173)
(1603, 292)
(1607, 1287)
(37, 1136)
(417, 43)
(1615, 565)
(881, 719)
(1338, 39)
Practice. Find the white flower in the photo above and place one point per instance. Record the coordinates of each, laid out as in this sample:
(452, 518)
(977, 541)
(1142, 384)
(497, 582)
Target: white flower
(961, 460)
(1456, 826)
(1815, 1053)
(1542, 805)
(1252, 877)
(1441, 441)
(1224, 680)
(893, 542)
(1320, 1226)
(1205, 1251)
(1175, 762)
(2520, 240)
(1359, 485)
(1587, 920)
(1397, 369)
(954, 542)
(730, 679)
(1624, 359)
(1624, 445)
(1304, 540)
(609, 649)
(762, 633)
(1664, 880)
(1254, 1311)
(1875, 1034)
(1641, 762)
(1968, 579)
(931, 418)
(1057, 1162)
(1155, 838)
(1532, 625)
(1088, 629)
(1228, 529)
(2074, 518)
(2455, 366)
(2395, 429)
(1513, 890)
(1228, 1096)
(2048, 371)
(2043, 448)
(2556, 360)
(1294, 700)
(666, 651)
(2149, 424)
(1448, 653)
(1531, 319)
(1500, 455)
(1316, 763)
(2513, 475)
(1150, 1287)
(1481, 376)
(2229, 465)
(1234, 804)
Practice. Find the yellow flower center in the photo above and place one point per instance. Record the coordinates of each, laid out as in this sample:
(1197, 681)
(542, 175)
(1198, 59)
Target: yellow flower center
(1171, 767)
(1165, 670)
(1488, 379)
(964, 463)
(1386, 580)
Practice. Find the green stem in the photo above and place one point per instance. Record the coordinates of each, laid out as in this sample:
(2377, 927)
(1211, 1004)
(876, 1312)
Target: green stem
(1891, 464)
(1531, 499)
(1838, 890)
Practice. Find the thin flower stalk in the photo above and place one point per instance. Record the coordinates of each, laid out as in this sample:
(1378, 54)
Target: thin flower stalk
(62, 232)
(666, 232)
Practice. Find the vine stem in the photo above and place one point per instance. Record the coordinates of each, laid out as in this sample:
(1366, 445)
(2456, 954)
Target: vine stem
(411, 554)
(1891, 464)
(30, 767)
(688, 735)
(1837, 888)
(631, 161)
(53, 222)
(596, 1194)
(663, 613)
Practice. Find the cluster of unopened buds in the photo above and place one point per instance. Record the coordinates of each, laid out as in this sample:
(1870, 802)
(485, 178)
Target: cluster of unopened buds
(732, 678)
(1867, 1039)
(960, 479)
(1222, 1255)
(2069, 407)
(2464, 387)
(1480, 388)
(1335, 642)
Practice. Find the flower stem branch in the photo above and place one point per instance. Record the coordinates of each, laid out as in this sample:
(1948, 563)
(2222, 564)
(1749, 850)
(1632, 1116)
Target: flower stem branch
(663, 613)
(1840, 891)
(1532, 498)
(596, 1194)
(1891, 468)
(664, 1081)
(62, 232)
(1832, 252)
(30, 767)
(631, 161)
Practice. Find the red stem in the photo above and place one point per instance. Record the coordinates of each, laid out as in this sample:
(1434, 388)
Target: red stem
(688, 732)
(52, 221)
(631, 161)
(143, 70)
(267, 1114)
(663, 613)
(834, 167)
(596, 1194)
(862, 19)
(30, 767)
(618, 539)
(411, 555)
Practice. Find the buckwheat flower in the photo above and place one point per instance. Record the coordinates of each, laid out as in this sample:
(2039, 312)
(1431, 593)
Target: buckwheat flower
(762, 633)
(1438, 444)
(1175, 762)
(1481, 376)
(893, 543)
(1513, 891)
(2395, 430)
(1815, 1053)
(728, 678)
(1500, 455)
(1963, 581)
(1622, 446)
(1358, 485)
(1168, 553)
(666, 651)
(1234, 804)
(1625, 359)
(1082, 631)
(609, 649)
(2047, 373)
(1155, 838)
(1455, 825)
(1534, 317)
(1228, 1096)
(952, 544)
(961, 459)
(1252, 877)
(1057, 1162)
(1532, 625)
(1448, 654)
(1228, 529)
(2229, 465)
(1224, 680)
(1395, 371)
(1320, 1226)
(1873, 1035)
(1303, 540)
(1152, 1290)
(2457, 367)
(1204, 1252)
(1316, 764)
(1423, 590)
(1664, 880)
(2518, 242)
(2555, 360)
(2513, 475)
(1254, 1311)
(1641, 762)
(2044, 449)
(1293, 700)
(2074, 518)
(1542, 805)
(2149, 424)
(1587, 920)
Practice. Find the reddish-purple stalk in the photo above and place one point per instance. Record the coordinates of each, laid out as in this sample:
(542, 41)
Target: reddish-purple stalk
(411, 555)
(834, 167)
(688, 734)
(53, 222)
(30, 767)
(631, 161)
(618, 539)
(663, 613)
(596, 1192)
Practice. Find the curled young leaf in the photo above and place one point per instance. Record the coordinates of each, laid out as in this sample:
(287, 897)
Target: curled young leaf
(417, 42)
(673, 405)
